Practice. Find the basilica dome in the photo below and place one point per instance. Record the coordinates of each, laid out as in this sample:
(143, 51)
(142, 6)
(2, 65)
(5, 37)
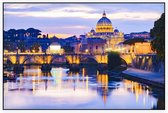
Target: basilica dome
(104, 25)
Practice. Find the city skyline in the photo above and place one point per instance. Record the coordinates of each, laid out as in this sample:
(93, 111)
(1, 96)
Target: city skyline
(65, 20)
(116, 61)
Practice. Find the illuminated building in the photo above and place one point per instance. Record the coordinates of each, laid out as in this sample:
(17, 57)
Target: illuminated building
(105, 30)
(96, 45)
(136, 48)
(93, 45)
(76, 46)
(55, 48)
(143, 48)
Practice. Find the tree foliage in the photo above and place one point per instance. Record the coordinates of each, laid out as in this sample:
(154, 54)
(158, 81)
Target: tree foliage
(158, 32)
(114, 60)
(21, 46)
(13, 38)
(35, 47)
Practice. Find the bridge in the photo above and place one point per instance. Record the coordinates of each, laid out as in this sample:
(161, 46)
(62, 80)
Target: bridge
(43, 58)
(141, 61)
(48, 58)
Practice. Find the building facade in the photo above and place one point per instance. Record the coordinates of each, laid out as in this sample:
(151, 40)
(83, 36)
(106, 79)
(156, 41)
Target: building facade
(136, 48)
(55, 48)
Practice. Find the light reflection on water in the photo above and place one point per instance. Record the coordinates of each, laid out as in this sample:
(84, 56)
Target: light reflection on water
(62, 89)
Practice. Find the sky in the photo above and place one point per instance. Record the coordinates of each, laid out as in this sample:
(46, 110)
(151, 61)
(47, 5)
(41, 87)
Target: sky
(63, 20)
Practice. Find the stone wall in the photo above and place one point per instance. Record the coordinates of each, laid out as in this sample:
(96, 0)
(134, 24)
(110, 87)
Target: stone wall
(149, 62)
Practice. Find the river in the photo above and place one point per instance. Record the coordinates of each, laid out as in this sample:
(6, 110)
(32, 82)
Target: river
(87, 89)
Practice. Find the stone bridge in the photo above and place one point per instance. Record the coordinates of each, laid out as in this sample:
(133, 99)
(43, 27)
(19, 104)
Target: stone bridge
(128, 57)
(42, 58)
(135, 60)
(149, 62)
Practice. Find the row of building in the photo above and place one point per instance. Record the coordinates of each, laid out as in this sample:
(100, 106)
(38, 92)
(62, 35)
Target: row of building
(105, 38)
(102, 39)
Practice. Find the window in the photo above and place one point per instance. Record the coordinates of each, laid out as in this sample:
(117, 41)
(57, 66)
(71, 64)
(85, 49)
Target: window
(96, 47)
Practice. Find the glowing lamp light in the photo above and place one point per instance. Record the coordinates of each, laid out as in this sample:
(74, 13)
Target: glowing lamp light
(86, 50)
(147, 57)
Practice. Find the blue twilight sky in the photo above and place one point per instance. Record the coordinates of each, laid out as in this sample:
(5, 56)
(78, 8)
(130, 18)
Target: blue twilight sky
(74, 19)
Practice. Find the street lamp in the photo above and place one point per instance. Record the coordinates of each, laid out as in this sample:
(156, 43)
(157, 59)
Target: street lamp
(86, 51)
(147, 57)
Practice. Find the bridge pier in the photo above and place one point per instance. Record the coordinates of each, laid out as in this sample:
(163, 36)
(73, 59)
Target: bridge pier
(74, 67)
(102, 67)
(46, 68)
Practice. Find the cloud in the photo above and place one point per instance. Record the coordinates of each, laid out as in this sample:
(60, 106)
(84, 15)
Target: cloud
(64, 31)
(76, 8)
(70, 27)
(135, 15)
(86, 14)
(77, 11)
(75, 27)
(21, 6)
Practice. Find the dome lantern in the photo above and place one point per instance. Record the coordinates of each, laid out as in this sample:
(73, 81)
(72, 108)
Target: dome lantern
(104, 14)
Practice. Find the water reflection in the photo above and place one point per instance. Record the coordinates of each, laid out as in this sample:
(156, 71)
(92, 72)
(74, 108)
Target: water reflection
(61, 89)
(140, 92)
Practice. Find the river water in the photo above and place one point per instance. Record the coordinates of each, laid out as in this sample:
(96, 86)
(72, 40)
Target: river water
(87, 89)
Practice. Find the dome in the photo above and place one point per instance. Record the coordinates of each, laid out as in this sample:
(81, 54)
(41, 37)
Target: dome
(104, 25)
(104, 20)
(116, 30)
(92, 30)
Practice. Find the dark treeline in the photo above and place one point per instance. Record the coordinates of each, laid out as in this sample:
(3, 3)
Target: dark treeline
(158, 32)
(28, 39)
(21, 33)
(18, 39)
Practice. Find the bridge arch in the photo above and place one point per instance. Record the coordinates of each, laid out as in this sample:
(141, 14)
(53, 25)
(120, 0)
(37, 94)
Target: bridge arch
(14, 59)
(10, 59)
(33, 59)
(124, 63)
(58, 59)
(128, 58)
(89, 60)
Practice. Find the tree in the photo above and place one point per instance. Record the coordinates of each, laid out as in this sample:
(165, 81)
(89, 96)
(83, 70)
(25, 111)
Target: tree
(158, 32)
(10, 46)
(21, 46)
(12, 34)
(114, 60)
(21, 33)
(35, 47)
(33, 32)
